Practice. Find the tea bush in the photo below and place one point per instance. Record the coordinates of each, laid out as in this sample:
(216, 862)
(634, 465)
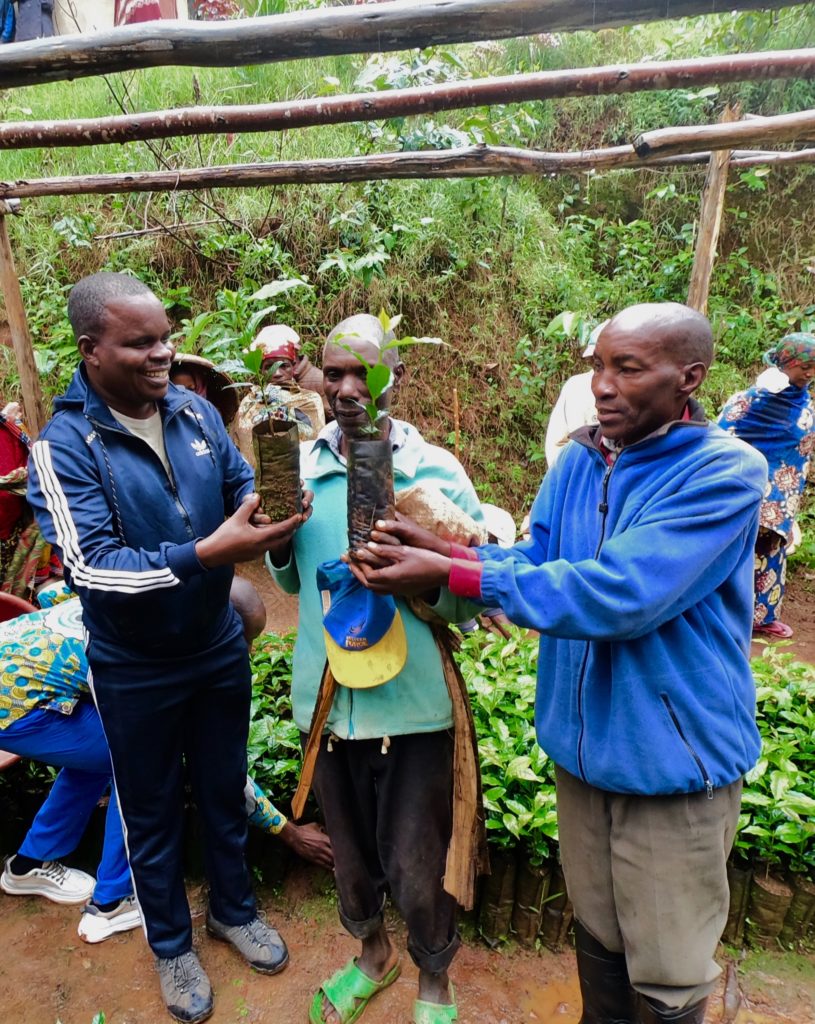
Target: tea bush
(274, 739)
(777, 824)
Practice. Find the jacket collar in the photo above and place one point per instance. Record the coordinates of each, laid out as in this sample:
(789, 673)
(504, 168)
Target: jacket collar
(81, 396)
(672, 434)
(319, 459)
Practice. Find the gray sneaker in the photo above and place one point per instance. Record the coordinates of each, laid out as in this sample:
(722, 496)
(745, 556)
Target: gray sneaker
(256, 942)
(185, 987)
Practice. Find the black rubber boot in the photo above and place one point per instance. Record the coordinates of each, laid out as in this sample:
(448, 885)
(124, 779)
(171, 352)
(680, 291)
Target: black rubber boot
(651, 1012)
(607, 994)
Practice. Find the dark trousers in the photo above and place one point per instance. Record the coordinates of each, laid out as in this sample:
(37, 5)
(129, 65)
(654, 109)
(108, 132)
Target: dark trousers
(389, 818)
(154, 714)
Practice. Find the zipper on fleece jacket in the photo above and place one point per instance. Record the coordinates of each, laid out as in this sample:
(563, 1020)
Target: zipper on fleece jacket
(699, 764)
(602, 508)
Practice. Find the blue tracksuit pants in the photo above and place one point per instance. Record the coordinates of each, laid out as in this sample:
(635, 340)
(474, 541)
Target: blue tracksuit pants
(158, 712)
(77, 744)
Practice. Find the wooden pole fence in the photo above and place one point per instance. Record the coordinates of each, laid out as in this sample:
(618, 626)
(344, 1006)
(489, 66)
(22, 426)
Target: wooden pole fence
(777, 128)
(793, 156)
(466, 162)
(710, 222)
(321, 32)
(286, 115)
(33, 407)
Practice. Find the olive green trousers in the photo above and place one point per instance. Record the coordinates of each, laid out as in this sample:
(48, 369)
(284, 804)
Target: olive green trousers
(647, 877)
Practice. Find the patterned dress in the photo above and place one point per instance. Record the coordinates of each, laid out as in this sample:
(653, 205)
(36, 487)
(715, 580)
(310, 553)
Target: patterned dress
(781, 425)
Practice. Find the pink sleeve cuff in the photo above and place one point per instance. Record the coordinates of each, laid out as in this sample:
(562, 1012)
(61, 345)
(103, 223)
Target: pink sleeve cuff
(462, 553)
(464, 579)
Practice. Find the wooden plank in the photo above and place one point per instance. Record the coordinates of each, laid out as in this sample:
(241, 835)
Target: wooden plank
(320, 32)
(710, 221)
(33, 409)
(282, 116)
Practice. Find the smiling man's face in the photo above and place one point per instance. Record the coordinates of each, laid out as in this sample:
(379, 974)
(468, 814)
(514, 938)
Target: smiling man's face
(128, 358)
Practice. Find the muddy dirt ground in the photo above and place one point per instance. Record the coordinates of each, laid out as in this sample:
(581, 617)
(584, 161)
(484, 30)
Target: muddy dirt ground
(48, 976)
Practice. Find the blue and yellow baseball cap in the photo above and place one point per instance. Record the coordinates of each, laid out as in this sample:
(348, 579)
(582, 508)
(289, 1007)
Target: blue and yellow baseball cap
(364, 633)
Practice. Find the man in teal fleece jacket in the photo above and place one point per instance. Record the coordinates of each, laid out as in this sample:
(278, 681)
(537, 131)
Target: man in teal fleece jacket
(384, 775)
(637, 574)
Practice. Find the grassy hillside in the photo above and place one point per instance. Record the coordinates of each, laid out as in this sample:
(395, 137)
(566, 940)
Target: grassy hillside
(489, 265)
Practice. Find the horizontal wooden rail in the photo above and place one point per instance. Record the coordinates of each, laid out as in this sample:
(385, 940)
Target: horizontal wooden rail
(282, 116)
(778, 128)
(321, 32)
(466, 162)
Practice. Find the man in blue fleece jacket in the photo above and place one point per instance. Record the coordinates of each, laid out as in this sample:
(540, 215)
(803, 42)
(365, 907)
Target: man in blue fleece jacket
(149, 503)
(637, 574)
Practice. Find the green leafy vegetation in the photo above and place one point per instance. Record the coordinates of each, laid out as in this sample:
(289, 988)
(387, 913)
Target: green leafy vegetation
(511, 272)
(517, 776)
(777, 825)
(274, 739)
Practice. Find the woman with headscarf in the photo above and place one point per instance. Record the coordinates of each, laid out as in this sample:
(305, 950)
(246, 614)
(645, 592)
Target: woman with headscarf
(776, 416)
(280, 397)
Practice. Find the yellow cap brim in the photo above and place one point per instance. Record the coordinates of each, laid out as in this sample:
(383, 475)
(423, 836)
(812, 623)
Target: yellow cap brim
(373, 666)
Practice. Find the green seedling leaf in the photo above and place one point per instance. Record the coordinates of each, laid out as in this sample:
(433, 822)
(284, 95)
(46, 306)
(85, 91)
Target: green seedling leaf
(378, 379)
(252, 360)
(274, 288)
(410, 340)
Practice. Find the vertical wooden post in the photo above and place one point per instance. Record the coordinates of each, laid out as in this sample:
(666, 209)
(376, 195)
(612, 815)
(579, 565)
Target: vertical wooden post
(710, 222)
(33, 409)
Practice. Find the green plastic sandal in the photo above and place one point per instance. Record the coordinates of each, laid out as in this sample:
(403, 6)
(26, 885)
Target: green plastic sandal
(349, 990)
(436, 1013)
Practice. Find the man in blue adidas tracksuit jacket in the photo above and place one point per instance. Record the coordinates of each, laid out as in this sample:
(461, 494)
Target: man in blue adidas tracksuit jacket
(638, 575)
(132, 481)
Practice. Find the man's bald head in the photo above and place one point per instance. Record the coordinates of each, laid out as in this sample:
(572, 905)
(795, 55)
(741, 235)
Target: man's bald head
(682, 333)
(365, 331)
(649, 360)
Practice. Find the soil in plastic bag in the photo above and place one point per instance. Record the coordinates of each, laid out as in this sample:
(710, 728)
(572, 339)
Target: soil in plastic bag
(531, 889)
(801, 911)
(498, 898)
(770, 900)
(557, 912)
(738, 878)
(277, 468)
(370, 488)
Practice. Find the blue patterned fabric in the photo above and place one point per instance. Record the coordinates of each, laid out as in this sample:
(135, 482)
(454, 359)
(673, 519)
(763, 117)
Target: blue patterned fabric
(782, 427)
(770, 577)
